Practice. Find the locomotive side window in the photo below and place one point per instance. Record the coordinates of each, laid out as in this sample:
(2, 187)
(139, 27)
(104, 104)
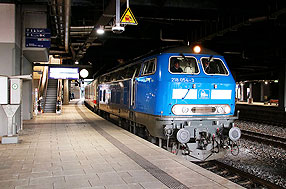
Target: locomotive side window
(104, 93)
(100, 95)
(214, 66)
(120, 75)
(133, 71)
(149, 67)
(183, 65)
(113, 97)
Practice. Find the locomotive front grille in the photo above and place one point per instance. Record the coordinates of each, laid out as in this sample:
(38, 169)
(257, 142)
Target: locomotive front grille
(203, 110)
(200, 109)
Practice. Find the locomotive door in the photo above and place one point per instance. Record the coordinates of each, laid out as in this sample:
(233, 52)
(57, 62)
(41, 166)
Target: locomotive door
(132, 90)
(133, 85)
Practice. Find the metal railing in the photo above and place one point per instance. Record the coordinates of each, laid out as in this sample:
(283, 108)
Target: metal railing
(59, 97)
(45, 90)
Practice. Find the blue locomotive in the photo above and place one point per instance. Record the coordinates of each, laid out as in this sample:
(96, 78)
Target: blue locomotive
(182, 98)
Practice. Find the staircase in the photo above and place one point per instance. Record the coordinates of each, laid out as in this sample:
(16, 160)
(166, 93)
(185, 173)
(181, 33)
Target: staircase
(51, 98)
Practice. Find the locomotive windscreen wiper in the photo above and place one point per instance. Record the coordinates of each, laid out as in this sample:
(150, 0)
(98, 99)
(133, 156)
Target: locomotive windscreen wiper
(190, 67)
(183, 56)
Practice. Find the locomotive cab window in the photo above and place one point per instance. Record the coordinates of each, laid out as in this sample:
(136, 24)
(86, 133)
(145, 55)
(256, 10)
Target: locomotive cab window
(132, 71)
(149, 67)
(214, 66)
(183, 65)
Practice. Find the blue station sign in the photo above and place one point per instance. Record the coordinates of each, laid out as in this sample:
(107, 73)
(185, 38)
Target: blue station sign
(38, 37)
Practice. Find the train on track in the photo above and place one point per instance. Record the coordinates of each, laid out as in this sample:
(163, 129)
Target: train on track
(182, 98)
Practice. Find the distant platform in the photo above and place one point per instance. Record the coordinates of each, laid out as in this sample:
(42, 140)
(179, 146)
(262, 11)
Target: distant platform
(268, 104)
(259, 111)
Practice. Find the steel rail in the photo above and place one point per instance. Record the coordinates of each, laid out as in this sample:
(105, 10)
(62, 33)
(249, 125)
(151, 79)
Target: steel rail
(263, 138)
(238, 176)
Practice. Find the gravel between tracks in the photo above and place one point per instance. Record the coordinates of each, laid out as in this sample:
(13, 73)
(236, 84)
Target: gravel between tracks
(268, 129)
(264, 161)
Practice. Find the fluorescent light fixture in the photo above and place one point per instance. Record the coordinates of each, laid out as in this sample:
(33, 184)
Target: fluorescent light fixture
(76, 62)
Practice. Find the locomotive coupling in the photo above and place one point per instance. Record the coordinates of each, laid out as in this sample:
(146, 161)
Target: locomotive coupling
(169, 129)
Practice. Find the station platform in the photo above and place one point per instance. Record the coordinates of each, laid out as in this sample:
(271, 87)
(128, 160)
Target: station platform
(261, 113)
(79, 149)
(258, 104)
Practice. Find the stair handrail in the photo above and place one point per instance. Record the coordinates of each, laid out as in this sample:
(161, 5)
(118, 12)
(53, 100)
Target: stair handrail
(59, 97)
(41, 83)
(46, 87)
(40, 86)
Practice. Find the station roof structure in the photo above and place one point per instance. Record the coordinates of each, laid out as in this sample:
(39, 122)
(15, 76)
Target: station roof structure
(250, 34)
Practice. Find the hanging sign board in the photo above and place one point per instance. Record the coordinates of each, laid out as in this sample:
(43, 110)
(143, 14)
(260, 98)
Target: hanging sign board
(38, 37)
(128, 18)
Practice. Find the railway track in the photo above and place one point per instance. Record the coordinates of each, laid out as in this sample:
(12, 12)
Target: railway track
(235, 175)
(259, 120)
(263, 138)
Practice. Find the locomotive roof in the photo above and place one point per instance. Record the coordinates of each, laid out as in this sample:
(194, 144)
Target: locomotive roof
(189, 49)
(177, 49)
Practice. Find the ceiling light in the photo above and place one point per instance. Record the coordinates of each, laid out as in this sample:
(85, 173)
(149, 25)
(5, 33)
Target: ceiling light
(100, 30)
(83, 73)
(76, 62)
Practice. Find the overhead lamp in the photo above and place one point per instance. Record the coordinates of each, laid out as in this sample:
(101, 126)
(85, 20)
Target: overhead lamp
(197, 49)
(100, 30)
(118, 29)
(76, 62)
(83, 73)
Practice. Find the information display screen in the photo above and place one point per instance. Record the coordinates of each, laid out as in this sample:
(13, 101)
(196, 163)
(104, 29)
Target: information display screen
(63, 73)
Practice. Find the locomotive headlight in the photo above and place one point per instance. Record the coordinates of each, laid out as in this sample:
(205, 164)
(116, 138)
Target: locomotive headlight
(180, 109)
(185, 109)
(220, 110)
(223, 109)
(175, 110)
(227, 109)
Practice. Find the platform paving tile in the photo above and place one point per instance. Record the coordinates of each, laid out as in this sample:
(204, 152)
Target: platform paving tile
(153, 185)
(125, 186)
(72, 184)
(46, 186)
(13, 183)
(110, 181)
(9, 177)
(126, 167)
(68, 172)
(46, 180)
(35, 175)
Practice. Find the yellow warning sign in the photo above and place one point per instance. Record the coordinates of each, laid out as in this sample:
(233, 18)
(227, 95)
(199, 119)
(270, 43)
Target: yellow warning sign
(128, 17)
